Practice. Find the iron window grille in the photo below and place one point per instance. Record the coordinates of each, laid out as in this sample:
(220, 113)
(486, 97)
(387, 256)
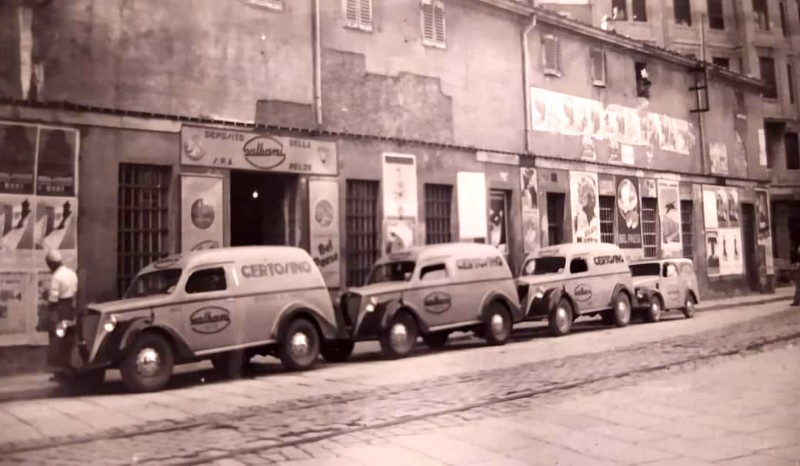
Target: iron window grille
(438, 205)
(649, 234)
(358, 14)
(433, 25)
(143, 234)
(687, 225)
(607, 219)
(363, 245)
(555, 218)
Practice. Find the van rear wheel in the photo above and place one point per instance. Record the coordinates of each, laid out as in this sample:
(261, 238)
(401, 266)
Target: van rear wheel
(689, 306)
(148, 363)
(497, 328)
(300, 345)
(561, 318)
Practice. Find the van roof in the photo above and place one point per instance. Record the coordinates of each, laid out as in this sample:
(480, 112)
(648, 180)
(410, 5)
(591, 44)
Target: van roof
(567, 249)
(661, 260)
(220, 255)
(417, 253)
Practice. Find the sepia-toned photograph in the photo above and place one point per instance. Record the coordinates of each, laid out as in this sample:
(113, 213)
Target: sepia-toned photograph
(399, 232)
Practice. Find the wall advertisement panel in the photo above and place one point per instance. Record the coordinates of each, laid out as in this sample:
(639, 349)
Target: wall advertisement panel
(722, 213)
(529, 185)
(202, 212)
(323, 203)
(399, 201)
(38, 213)
(764, 223)
(629, 214)
(585, 202)
(670, 215)
(472, 218)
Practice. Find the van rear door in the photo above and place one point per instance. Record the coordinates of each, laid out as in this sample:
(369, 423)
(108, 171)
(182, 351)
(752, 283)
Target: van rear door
(209, 309)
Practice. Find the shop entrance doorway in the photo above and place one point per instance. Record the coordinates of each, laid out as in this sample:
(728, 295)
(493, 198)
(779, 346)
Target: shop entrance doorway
(262, 208)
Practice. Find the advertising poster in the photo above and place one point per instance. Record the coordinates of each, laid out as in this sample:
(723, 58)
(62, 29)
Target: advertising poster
(56, 166)
(764, 224)
(14, 298)
(529, 184)
(718, 153)
(17, 157)
(712, 238)
(201, 212)
(323, 203)
(497, 221)
(762, 148)
(17, 219)
(56, 224)
(722, 213)
(629, 213)
(670, 216)
(399, 186)
(472, 221)
(584, 198)
(399, 234)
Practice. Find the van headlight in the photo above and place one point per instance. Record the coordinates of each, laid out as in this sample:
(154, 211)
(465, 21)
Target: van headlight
(110, 324)
(371, 304)
(639, 294)
(539, 293)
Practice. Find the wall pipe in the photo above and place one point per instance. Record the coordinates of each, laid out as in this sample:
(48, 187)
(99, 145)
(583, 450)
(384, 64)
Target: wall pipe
(526, 81)
(317, 64)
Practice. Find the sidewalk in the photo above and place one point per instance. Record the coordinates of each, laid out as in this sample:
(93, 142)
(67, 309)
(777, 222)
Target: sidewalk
(38, 383)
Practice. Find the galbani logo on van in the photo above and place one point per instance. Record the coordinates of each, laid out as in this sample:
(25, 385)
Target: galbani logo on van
(437, 302)
(583, 293)
(264, 152)
(210, 320)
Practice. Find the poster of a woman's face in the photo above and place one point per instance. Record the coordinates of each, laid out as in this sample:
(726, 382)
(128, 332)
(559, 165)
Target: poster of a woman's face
(529, 188)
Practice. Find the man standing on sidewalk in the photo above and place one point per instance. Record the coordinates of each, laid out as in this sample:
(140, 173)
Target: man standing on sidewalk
(61, 298)
(796, 277)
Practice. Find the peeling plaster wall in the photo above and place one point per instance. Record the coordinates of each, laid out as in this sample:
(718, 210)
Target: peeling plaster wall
(191, 57)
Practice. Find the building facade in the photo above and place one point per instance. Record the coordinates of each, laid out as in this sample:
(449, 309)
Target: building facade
(133, 131)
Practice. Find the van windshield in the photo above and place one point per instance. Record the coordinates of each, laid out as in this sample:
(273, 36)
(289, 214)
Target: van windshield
(642, 270)
(544, 265)
(392, 272)
(153, 283)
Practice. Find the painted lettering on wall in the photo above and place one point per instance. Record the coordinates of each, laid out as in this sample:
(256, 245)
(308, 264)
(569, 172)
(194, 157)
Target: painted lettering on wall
(327, 254)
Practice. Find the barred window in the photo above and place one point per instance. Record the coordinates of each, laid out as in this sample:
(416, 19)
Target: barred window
(143, 234)
(649, 235)
(438, 205)
(555, 218)
(358, 14)
(687, 212)
(433, 27)
(607, 219)
(363, 245)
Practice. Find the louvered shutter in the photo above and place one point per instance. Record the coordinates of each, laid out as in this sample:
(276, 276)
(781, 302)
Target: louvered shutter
(551, 55)
(433, 25)
(598, 68)
(365, 14)
(428, 29)
(438, 20)
(351, 13)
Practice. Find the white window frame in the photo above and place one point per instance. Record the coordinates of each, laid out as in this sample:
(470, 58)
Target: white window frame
(601, 82)
(550, 70)
(432, 41)
(276, 5)
(362, 21)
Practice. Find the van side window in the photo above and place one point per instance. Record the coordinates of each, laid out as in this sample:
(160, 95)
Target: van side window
(670, 270)
(206, 280)
(433, 272)
(578, 265)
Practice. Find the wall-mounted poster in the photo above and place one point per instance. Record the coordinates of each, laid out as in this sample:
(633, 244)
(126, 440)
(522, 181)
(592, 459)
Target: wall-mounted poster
(584, 198)
(399, 186)
(17, 218)
(14, 298)
(762, 148)
(498, 221)
(399, 234)
(529, 184)
(323, 206)
(629, 218)
(670, 215)
(17, 157)
(718, 153)
(763, 221)
(201, 212)
(722, 213)
(472, 221)
(56, 169)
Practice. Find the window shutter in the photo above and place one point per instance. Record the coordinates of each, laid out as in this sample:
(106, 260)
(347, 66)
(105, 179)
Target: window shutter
(433, 28)
(598, 68)
(351, 13)
(365, 15)
(438, 16)
(551, 55)
(428, 31)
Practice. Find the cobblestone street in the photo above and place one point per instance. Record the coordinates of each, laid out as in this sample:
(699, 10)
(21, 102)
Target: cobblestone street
(313, 415)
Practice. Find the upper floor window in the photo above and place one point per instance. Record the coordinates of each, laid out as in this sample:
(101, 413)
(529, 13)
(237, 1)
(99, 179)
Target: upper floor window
(792, 151)
(598, 67)
(642, 80)
(640, 10)
(716, 18)
(683, 12)
(619, 10)
(767, 67)
(722, 62)
(433, 31)
(784, 24)
(358, 14)
(761, 15)
(551, 55)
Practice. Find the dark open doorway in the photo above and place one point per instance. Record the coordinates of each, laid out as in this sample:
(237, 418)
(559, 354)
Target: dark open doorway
(749, 245)
(261, 207)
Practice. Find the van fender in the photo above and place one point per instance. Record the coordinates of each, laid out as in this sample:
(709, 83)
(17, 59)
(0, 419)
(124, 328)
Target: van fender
(396, 305)
(553, 296)
(620, 288)
(135, 327)
(492, 296)
(647, 296)
(294, 310)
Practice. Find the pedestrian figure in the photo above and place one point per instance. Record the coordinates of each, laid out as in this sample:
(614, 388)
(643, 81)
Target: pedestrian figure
(796, 277)
(61, 307)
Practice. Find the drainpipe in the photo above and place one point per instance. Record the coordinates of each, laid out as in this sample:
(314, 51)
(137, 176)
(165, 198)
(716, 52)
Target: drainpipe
(700, 115)
(526, 81)
(317, 65)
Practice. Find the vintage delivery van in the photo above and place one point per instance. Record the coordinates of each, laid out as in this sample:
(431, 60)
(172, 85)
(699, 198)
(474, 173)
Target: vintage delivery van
(433, 291)
(665, 285)
(226, 305)
(561, 283)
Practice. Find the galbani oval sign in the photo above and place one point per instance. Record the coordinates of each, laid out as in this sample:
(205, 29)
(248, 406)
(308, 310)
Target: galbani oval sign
(264, 152)
(210, 320)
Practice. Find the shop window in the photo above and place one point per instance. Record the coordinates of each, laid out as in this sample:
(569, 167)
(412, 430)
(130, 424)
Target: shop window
(642, 80)
(598, 67)
(649, 234)
(607, 219)
(363, 245)
(687, 226)
(640, 10)
(683, 12)
(551, 55)
(555, 218)
(143, 233)
(784, 24)
(438, 205)
(722, 62)
(619, 11)
(433, 27)
(790, 77)
(716, 18)
(761, 15)
(207, 280)
(792, 151)
(358, 14)
(767, 66)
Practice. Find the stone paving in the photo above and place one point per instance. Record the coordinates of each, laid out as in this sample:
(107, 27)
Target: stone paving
(356, 415)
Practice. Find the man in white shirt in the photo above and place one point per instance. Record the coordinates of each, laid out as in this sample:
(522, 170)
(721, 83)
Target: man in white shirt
(61, 299)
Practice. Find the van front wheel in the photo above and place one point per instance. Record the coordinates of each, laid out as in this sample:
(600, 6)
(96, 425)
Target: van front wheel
(148, 363)
(621, 312)
(399, 338)
(300, 345)
(560, 319)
